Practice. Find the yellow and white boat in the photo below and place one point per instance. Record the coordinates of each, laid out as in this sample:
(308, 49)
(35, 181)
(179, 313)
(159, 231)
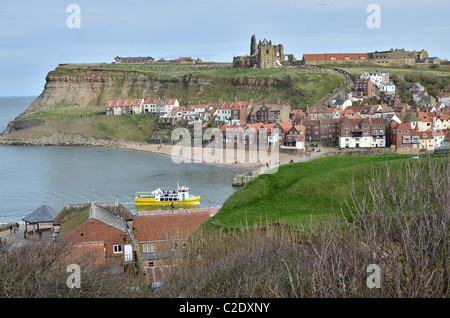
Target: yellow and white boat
(166, 197)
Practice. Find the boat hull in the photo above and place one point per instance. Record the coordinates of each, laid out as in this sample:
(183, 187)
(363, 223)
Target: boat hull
(152, 202)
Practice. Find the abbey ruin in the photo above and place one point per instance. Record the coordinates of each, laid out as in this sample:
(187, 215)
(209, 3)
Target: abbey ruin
(263, 55)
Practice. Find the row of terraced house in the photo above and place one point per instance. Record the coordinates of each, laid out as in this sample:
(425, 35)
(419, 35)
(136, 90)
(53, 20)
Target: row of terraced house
(223, 112)
(344, 124)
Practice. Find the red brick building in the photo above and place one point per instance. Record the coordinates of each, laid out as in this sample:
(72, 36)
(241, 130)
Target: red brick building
(326, 129)
(404, 136)
(335, 58)
(98, 224)
(162, 236)
(365, 88)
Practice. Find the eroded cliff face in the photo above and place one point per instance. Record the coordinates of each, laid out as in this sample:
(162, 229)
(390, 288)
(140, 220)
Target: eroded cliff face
(96, 88)
(93, 89)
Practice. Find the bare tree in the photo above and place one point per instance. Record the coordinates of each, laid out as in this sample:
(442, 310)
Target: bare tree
(39, 269)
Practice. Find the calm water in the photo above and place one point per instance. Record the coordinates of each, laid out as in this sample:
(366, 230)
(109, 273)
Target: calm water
(32, 175)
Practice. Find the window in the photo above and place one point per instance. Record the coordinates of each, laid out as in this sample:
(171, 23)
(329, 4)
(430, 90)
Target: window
(117, 248)
(148, 248)
(174, 246)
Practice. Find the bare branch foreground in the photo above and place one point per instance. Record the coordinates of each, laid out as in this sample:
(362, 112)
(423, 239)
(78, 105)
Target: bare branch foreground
(39, 269)
(399, 225)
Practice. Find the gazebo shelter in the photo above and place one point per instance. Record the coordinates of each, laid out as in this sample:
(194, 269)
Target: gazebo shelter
(43, 214)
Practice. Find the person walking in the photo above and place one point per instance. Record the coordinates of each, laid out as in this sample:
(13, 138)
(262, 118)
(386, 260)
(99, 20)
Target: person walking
(40, 234)
(24, 234)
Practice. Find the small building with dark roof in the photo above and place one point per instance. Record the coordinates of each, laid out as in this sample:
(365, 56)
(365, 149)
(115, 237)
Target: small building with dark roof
(43, 214)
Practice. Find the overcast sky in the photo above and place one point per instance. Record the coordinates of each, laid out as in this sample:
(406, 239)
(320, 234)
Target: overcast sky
(35, 37)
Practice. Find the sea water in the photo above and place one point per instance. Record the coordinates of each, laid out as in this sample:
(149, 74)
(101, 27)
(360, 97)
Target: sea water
(58, 175)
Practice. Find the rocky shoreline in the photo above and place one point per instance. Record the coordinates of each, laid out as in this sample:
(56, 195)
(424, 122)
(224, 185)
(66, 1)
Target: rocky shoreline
(59, 139)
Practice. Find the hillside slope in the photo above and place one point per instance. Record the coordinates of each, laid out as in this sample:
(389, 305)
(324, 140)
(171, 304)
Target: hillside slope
(299, 193)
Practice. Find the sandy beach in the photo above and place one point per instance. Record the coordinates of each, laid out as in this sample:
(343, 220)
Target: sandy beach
(225, 157)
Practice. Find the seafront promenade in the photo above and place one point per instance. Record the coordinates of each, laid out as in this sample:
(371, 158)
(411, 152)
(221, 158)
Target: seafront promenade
(17, 238)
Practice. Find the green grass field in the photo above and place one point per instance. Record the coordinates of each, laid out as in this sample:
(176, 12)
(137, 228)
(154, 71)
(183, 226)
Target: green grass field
(301, 192)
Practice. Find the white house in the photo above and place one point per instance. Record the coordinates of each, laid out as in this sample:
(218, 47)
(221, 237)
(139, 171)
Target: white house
(223, 113)
(376, 78)
(439, 137)
(118, 107)
(387, 88)
(137, 106)
(362, 133)
(161, 106)
(342, 102)
(149, 105)
(445, 98)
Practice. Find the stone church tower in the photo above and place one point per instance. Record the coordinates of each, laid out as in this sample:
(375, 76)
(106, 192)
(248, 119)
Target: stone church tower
(253, 45)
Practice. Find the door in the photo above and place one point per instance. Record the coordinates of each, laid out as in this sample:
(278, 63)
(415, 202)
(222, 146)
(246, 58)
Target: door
(128, 253)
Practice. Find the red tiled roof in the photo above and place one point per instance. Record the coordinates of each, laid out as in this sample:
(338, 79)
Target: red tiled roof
(424, 117)
(404, 126)
(337, 56)
(300, 127)
(167, 226)
(151, 100)
(285, 125)
(226, 128)
(444, 117)
(426, 135)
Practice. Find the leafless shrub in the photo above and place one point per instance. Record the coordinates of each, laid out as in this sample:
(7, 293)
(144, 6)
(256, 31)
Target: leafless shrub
(39, 269)
(400, 223)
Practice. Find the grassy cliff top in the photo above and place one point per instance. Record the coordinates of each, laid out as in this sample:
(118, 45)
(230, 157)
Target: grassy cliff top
(300, 193)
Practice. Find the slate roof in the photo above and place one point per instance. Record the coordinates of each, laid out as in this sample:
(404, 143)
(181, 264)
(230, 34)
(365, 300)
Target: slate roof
(111, 213)
(43, 214)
